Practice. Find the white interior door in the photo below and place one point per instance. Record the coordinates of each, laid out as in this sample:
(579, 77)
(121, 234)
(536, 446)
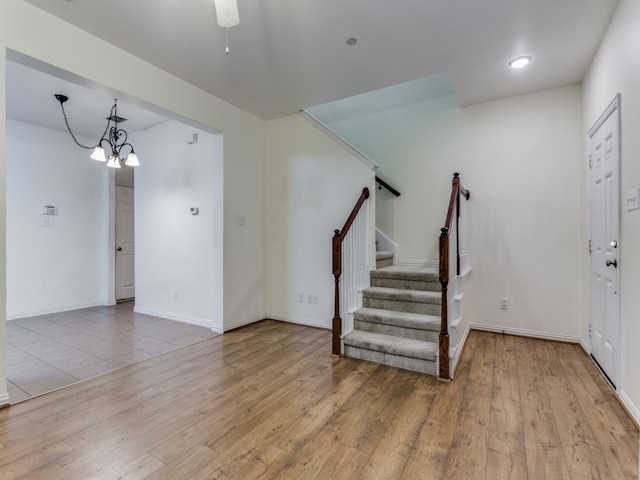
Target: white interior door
(604, 195)
(125, 259)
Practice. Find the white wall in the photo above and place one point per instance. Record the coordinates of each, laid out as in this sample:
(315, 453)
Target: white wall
(520, 157)
(616, 69)
(61, 266)
(32, 33)
(311, 186)
(175, 249)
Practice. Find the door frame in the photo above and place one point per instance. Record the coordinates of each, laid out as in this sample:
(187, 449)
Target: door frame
(612, 109)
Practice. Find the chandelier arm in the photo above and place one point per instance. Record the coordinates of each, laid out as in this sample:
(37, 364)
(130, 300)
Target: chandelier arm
(127, 144)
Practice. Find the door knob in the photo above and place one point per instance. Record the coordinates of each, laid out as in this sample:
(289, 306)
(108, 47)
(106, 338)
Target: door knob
(120, 249)
(614, 243)
(613, 262)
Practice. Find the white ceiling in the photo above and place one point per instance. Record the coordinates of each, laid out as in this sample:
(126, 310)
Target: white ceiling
(290, 54)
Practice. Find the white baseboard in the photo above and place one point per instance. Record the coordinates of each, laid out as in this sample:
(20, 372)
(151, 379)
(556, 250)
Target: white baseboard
(415, 263)
(454, 357)
(525, 333)
(4, 401)
(628, 404)
(49, 311)
(202, 322)
(308, 323)
(242, 323)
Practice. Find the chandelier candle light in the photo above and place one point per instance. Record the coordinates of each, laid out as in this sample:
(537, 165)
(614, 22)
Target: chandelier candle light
(114, 138)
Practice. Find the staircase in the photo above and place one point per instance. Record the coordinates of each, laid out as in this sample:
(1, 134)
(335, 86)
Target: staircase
(399, 322)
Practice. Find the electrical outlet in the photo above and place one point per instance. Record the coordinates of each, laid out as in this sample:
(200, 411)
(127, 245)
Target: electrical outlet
(504, 304)
(176, 293)
(315, 299)
(301, 297)
(309, 298)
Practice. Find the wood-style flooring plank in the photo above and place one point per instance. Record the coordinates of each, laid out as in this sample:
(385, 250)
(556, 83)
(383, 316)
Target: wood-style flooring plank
(268, 401)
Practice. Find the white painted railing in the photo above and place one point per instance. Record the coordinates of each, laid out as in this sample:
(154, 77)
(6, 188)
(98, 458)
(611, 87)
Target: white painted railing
(354, 269)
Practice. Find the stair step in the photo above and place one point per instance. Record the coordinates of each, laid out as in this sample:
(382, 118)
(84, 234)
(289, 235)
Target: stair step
(402, 300)
(384, 259)
(416, 355)
(406, 277)
(399, 324)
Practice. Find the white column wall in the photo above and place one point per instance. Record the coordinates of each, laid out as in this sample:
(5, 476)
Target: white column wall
(176, 250)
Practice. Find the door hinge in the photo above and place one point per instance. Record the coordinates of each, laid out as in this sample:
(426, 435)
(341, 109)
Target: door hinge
(589, 247)
(589, 161)
(589, 330)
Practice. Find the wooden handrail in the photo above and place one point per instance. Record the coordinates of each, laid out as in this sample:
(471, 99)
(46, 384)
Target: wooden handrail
(454, 206)
(384, 184)
(338, 237)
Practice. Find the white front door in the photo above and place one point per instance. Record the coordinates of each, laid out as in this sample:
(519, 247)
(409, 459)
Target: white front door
(604, 180)
(125, 278)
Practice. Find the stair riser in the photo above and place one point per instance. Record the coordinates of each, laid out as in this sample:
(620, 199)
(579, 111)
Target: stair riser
(406, 284)
(387, 262)
(416, 334)
(402, 306)
(417, 365)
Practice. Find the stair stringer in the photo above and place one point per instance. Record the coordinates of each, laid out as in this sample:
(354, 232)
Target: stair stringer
(458, 327)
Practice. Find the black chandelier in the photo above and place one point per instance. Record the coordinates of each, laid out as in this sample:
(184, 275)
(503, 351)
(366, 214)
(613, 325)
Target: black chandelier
(113, 138)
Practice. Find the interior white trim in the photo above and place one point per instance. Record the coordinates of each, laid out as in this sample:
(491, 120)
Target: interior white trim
(340, 141)
(416, 263)
(525, 333)
(240, 323)
(297, 321)
(49, 311)
(4, 401)
(202, 322)
(384, 243)
(628, 404)
(454, 357)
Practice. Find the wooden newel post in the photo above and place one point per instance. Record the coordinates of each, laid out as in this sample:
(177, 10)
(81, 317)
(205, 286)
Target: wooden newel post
(336, 329)
(444, 282)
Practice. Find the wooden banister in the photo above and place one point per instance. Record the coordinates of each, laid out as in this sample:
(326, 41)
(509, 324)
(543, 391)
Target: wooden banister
(338, 238)
(444, 245)
(382, 183)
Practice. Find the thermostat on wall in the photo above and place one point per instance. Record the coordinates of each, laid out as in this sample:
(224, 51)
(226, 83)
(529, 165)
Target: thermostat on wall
(49, 210)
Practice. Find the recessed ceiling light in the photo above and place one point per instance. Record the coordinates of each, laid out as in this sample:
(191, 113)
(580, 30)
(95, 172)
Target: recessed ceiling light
(351, 41)
(521, 61)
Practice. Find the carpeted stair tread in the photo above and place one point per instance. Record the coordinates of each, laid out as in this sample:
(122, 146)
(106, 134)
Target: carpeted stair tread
(398, 319)
(402, 272)
(401, 295)
(392, 345)
(383, 255)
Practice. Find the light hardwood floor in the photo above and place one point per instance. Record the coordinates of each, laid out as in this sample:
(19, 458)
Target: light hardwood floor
(268, 401)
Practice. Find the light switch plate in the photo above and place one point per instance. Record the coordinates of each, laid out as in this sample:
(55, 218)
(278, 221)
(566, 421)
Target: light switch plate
(631, 198)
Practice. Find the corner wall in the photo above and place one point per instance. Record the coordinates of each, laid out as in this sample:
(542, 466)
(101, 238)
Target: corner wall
(521, 159)
(58, 262)
(312, 185)
(616, 69)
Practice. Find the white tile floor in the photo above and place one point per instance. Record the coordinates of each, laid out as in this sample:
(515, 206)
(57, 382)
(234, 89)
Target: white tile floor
(52, 351)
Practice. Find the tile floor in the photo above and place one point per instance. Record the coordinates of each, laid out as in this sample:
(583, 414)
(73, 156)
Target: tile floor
(52, 351)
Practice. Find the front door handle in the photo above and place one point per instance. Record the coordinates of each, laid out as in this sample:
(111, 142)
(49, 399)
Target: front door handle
(120, 249)
(613, 262)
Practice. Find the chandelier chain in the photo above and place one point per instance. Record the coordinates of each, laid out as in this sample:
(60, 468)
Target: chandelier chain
(66, 121)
